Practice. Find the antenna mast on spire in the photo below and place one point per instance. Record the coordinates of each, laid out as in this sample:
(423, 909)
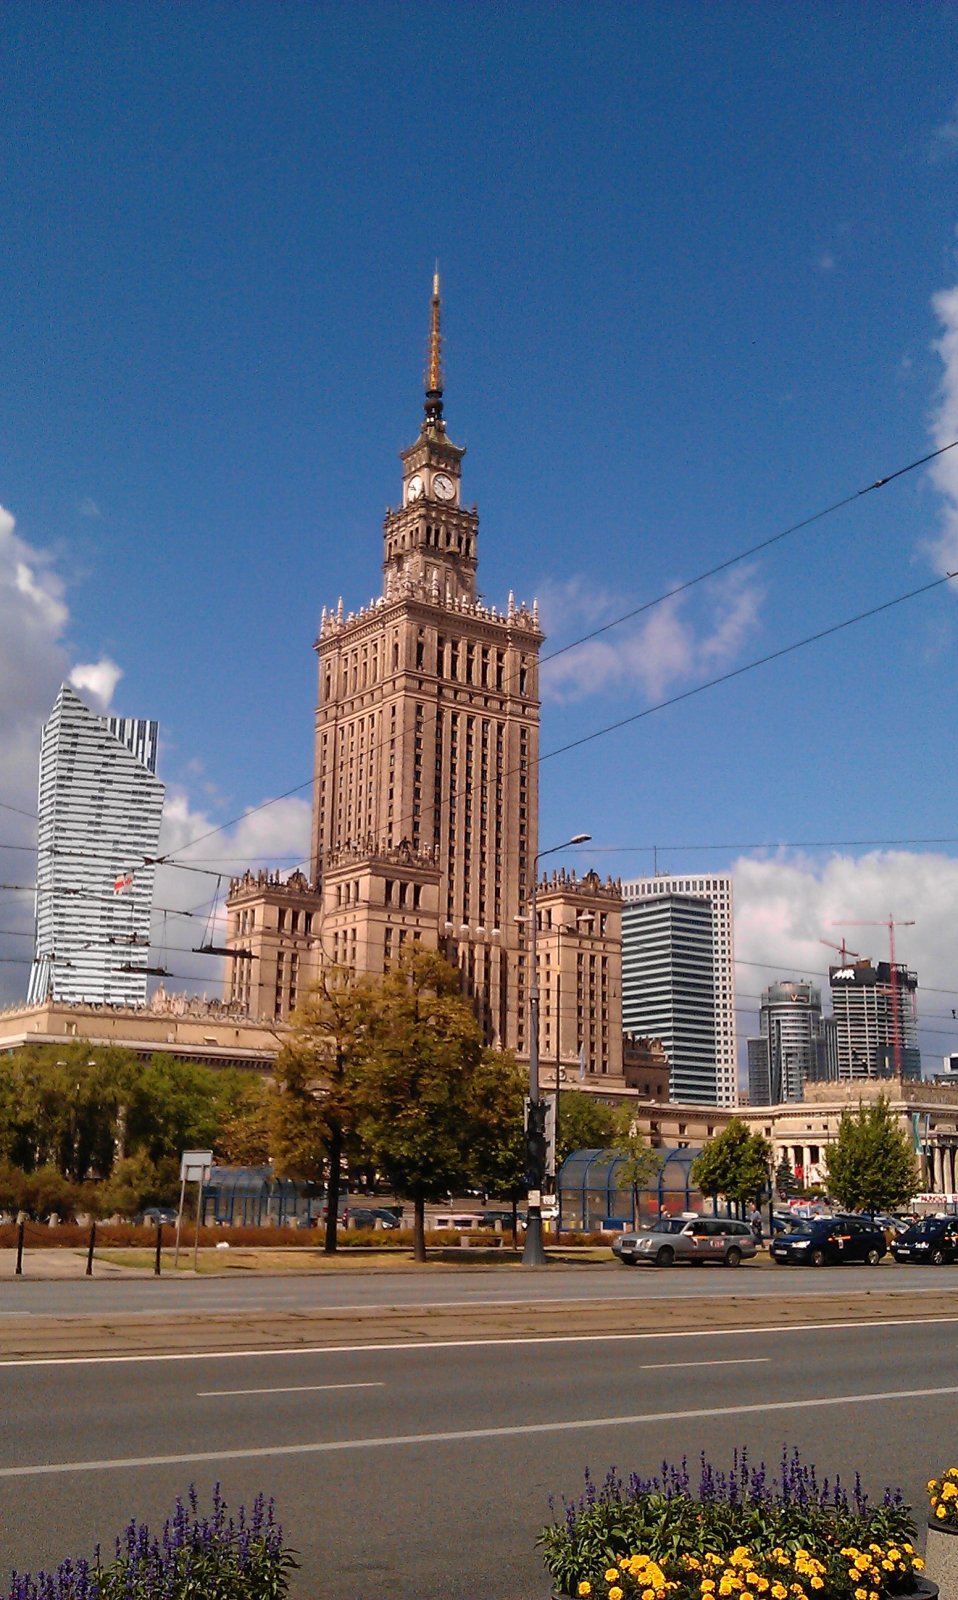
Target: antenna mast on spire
(434, 369)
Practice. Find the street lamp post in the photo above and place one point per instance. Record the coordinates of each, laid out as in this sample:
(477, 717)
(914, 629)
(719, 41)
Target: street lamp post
(533, 1254)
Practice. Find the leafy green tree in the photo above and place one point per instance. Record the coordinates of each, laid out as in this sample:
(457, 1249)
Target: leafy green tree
(497, 1157)
(135, 1182)
(871, 1166)
(422, 1083)
(735, 1164)
(170, 1106)
(785, 1180)
(585, 1123)
(244, 1110)
(639, 1163)
(318, 1105)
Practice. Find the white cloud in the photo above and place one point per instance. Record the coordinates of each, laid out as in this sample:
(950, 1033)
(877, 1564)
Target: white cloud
(945, 138)
(944, 429)
(97, 678)
(659, 651)
(34, 661)
(784, 908)
(89, 508)
(275, 835)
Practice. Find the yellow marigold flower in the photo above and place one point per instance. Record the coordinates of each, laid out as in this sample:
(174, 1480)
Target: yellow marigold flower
(918, 1564)
(584, 1589)
(611, 1574)
(779, 1591)
(707, 1586)
(941, 1512)
(861, 1594)
(817, 1582)
(615, 1593)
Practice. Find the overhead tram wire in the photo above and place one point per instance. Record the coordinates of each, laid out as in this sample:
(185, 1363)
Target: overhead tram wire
(648, 605)
(725, 677)
(749, 666)
(768, 844)
(168, 859)
(755, 549)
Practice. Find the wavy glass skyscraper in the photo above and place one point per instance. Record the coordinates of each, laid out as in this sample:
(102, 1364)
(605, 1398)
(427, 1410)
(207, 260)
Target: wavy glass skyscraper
(100, 808)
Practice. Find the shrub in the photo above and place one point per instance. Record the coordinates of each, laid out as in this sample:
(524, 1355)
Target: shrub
(742, 1509)
(217, 1557)
(943, 1497)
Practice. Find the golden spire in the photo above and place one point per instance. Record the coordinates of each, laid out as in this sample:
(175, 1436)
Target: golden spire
(435, 341)
(434, 369)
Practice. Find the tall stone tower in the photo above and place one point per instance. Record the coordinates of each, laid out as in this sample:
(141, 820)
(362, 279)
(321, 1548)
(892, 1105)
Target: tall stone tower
(426, 767)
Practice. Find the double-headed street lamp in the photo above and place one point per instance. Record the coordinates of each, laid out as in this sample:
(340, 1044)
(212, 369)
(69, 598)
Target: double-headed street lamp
(533, 1254)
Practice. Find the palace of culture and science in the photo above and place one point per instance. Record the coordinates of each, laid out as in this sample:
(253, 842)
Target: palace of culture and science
(425, 798)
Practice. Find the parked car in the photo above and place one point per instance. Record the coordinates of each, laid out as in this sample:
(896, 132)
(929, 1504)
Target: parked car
(489, 1219)
(934, 1239)
(153, 1216)
(829, 1241)
(370, 1217)
(691, 1239)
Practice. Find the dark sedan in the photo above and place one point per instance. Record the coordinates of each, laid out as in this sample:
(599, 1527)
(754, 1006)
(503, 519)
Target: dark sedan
(830, 1241)
(934, 1239)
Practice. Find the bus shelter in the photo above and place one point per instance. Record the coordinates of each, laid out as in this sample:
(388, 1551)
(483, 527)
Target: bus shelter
(254, 1197)
(593, 1194)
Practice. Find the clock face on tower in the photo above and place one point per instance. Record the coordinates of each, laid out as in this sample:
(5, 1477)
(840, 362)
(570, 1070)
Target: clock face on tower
(414, 487)
(443, 487)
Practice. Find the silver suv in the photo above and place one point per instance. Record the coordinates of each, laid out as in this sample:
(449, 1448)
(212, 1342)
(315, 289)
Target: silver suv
(692, 1239)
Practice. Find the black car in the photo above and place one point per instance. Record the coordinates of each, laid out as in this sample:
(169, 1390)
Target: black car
(370, 1217)
(934, 1239)
(155, 1216)
(830, 1241)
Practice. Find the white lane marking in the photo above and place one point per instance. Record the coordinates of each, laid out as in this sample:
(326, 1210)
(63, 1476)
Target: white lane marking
(733, 1361)
(476, 1344)
(296, 1388)
(467, 1435)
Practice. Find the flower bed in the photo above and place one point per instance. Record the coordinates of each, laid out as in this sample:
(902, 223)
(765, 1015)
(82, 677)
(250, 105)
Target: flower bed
(745, 1535)
(941, 1548)
(219, 1557)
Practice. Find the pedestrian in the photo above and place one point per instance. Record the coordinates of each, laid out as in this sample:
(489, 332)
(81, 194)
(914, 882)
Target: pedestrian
(755, 1223)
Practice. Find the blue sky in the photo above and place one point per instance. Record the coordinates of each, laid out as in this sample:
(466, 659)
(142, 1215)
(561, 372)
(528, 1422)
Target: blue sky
(699, 274)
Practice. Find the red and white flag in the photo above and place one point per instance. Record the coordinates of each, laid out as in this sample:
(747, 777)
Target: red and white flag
(124, 881)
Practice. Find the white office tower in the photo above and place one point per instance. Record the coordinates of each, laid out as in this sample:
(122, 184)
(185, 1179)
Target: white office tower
(678, 980)
(100, 810)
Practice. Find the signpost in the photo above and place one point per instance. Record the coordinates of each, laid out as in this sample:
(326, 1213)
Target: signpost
(195, 1167)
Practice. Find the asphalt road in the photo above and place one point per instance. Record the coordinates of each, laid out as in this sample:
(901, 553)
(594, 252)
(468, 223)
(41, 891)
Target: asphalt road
(437, 1286)
(420, 1473)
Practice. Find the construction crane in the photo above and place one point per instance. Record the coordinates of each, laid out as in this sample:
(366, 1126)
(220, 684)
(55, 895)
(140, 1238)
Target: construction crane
(843, 950)
(891, 925)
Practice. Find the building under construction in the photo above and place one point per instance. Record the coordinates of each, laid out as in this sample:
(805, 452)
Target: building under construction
(876, 1018)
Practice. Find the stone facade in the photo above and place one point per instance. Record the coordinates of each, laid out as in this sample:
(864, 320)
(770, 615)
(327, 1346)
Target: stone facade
(189, 1028)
